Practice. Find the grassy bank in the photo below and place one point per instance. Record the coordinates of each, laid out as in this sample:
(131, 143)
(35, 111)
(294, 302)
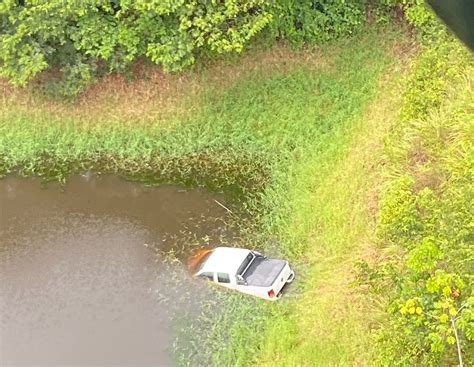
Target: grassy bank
(424, 273)
(294, 137)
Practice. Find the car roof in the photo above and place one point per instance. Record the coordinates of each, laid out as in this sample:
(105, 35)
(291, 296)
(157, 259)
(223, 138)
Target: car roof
(225, 260)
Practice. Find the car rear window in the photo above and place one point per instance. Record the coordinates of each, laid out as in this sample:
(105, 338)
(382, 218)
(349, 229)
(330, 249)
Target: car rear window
(245, 264)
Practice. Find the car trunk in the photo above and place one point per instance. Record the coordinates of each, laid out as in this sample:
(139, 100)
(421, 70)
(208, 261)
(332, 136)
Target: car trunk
(263, 272)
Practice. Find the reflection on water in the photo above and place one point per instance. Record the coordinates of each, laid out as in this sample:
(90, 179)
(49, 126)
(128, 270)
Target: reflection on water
(81, 280)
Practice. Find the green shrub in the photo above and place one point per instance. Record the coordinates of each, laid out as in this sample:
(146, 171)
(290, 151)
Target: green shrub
(399, 220)
(299, 22)
(436, 68)
(421, 16)
(80, 37)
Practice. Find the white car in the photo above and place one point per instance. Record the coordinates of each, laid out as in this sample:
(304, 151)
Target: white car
(246, 271)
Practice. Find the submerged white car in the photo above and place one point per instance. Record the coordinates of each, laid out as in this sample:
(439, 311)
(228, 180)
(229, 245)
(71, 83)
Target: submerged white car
(246, 271)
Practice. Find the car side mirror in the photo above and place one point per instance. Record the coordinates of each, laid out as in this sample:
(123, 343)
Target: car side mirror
(241, 280)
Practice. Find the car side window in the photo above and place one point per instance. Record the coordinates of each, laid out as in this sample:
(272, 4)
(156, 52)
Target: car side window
(223, 278)
(207, 275)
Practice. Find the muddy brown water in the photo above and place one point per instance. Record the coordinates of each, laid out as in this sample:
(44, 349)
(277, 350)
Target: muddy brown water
(81, 282)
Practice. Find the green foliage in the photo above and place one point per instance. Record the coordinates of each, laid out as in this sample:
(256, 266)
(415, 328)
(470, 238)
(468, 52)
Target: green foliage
(424, 256)
(315, 21)
(422, 327)
(399, 220)
(420, 15)
(302, 22)
(416, 12)
(81, 40)
(78, 37)
(427, 210)
(436, 68)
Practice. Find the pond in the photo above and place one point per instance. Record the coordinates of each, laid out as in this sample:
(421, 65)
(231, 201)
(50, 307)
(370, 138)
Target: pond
(82, 278)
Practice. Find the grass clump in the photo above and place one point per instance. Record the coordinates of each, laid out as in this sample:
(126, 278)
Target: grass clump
(53, 149)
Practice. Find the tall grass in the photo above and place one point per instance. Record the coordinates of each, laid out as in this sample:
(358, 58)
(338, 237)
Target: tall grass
(278, 141)
(428, 196)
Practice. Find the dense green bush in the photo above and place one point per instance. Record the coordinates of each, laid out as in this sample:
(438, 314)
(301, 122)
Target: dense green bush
(82, 38)
(426, 209)
(420, 15)
(431, 303)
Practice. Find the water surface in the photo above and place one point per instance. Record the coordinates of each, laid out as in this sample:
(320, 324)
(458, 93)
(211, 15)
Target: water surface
(81, 282)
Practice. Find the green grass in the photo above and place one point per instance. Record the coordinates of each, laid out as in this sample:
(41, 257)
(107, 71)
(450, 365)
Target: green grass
(329, 321)
(294, 145)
